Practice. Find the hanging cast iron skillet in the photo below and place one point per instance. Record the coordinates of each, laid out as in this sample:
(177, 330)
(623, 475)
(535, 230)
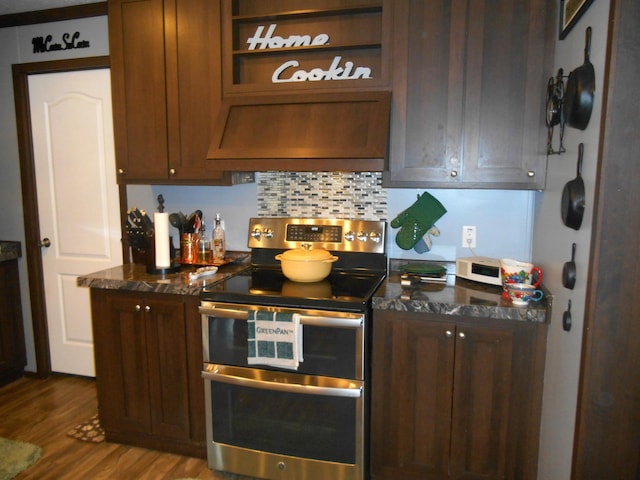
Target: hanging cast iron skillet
(566, 318)
(578, 99)
(572, 206)
(569, 270)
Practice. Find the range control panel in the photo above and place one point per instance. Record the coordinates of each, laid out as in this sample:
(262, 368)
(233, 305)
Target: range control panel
(341, 235)
(314, 233)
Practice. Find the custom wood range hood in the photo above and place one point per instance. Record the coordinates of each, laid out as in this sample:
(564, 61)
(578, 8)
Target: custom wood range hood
(306, 86)
(336, 130)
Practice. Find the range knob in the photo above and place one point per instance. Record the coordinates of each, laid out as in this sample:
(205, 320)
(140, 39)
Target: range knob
(256, 233)
(268, 233)
(362, 236)
(375, 237)
(349, 236)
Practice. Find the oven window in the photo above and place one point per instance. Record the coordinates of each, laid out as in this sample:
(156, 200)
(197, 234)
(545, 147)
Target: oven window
(306, 426)
(327, 351)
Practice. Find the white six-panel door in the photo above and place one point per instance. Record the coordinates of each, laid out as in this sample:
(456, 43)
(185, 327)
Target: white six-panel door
(78, 203)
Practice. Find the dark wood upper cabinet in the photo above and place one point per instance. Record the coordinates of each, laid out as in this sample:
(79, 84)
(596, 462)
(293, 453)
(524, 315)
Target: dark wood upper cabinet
(469, 89)
(467, 82)
(167, 89)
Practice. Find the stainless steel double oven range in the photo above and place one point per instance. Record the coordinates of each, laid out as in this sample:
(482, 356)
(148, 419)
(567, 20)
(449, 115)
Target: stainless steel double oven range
(288, 423)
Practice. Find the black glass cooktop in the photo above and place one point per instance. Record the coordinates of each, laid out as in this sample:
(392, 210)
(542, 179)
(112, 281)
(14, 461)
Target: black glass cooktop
(345, 291)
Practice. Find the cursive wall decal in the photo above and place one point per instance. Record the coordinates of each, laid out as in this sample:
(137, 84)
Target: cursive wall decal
(69, 42)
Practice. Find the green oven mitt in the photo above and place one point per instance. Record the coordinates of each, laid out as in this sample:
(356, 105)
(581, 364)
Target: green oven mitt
(416, 220)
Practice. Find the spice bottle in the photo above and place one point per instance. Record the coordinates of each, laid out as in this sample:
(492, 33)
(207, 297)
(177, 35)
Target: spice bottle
(219, 248)
(204, 254)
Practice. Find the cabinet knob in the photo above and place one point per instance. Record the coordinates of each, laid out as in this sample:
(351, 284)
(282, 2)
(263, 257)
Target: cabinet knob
(531, 174)
(137, 308)
(147, 308)
(120, 171)
(172, 171)
(462, 335)
(448, 334)
(454, 173)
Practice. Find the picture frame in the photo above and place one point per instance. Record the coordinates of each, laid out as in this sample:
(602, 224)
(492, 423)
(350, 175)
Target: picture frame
(570, 13)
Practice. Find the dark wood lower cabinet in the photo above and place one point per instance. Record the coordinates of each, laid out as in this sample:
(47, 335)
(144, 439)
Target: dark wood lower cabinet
(148, 352)
(455, 397)
(13, 357)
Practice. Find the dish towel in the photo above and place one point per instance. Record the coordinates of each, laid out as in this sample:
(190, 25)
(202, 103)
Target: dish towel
(275, 339)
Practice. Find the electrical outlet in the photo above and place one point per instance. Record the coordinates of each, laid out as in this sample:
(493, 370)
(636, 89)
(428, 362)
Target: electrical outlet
(469, 236)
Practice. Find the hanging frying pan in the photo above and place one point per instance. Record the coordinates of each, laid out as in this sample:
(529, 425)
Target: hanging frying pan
(572, 206)
(569, 270)
(566, 318)
(578, 99)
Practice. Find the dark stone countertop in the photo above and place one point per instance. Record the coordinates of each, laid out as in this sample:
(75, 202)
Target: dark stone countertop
(9, 250)
(134, 277)
(458, 297)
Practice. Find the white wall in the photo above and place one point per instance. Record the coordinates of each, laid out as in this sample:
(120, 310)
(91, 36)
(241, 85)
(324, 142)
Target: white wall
(503, 218)
(552, 247)
(236, 204)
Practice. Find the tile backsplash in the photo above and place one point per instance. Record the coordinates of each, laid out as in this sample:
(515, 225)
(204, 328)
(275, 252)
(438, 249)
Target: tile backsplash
(322, 195)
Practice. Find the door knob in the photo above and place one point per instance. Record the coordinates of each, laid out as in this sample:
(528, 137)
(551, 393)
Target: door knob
(45, 242)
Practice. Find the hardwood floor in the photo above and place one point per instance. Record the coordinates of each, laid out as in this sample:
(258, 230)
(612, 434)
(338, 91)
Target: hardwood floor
(42, 411)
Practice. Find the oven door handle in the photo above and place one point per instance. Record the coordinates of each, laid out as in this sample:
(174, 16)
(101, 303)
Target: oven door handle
(342, 321)
(217, 376)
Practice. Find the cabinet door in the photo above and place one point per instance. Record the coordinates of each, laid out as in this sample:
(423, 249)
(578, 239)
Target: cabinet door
(137, 50)
(497, 393)
(164, 320)
(122, 370)
(411, 398)
(194, 83)
(426, 117)
(469, 83)
(481, 402)
(508, 63)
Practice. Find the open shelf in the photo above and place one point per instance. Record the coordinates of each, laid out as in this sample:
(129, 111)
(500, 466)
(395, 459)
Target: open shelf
(264, 46)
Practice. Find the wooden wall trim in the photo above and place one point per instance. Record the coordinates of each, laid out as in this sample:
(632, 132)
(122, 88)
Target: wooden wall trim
(607, 421)
(53, 15)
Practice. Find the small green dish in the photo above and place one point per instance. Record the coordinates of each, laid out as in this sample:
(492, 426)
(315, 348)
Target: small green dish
(425, 269)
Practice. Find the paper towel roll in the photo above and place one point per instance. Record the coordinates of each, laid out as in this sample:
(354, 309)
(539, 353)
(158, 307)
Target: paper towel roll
(161, 229)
